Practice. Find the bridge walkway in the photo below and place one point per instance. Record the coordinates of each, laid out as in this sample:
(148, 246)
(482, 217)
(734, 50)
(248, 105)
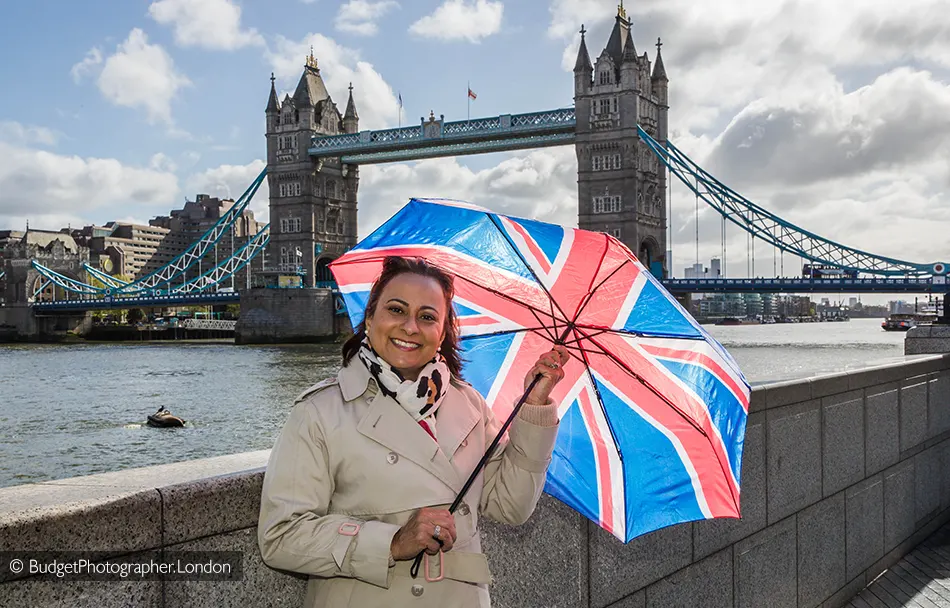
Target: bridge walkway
(921, 579)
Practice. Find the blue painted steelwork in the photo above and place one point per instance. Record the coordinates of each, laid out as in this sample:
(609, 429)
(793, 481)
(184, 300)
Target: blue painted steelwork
(106, 279)
(66, 283)
(138, 302)
(2, 273)
(466, 136)
(462, 149)
(796, 285)
(773, 229)
(228, 267)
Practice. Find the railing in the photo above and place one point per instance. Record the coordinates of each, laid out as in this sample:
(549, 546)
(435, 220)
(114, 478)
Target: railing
(209, 324)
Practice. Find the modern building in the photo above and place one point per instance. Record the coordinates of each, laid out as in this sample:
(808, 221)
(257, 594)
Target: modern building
(183, 227)
(621, 185)
(715, 269)
(121, 248)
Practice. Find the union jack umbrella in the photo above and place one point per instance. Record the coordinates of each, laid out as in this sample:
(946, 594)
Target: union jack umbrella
(653, 410)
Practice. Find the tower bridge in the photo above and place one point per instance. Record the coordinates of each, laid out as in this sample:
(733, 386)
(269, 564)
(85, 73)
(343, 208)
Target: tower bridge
(619, 129)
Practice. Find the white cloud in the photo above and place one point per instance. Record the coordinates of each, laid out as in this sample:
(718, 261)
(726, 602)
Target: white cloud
(161, 162)
(16, 133)
(375, 99)
(540, 184)
(461, 20)
(360, 16)
(40, 184)
(230, 181)
(210, 24)
(140, 74)
(92, 59)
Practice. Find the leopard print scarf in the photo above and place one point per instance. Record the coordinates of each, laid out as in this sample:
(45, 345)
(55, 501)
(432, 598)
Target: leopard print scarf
(420, 397)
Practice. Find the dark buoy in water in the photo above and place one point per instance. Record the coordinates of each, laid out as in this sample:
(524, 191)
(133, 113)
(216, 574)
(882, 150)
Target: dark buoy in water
(164, 419)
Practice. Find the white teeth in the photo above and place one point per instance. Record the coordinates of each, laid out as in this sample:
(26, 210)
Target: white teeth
(405, 344)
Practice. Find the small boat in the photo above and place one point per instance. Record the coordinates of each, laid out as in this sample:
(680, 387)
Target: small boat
(736, 321)
(903, 322)
(164, 419)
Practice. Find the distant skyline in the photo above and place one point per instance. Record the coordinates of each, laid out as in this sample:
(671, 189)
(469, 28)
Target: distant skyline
(832, 116)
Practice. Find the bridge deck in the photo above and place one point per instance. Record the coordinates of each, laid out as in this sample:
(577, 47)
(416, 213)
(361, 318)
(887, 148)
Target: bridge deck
(921, 579)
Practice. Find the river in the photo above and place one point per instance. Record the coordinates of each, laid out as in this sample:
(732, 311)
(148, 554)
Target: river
(70, 410)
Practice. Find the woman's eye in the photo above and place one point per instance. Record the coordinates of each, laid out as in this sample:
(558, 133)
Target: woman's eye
(428, 318)
(395, 310)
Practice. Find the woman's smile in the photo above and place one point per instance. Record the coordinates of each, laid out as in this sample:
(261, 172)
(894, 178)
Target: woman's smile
(403, 345)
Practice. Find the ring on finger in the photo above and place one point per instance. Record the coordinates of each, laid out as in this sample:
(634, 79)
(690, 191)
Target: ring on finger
(438, 531)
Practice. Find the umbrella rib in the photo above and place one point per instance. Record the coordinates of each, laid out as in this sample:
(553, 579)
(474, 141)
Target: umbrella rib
(497, 223)
(593, 277)
(644, 382)
(590, 293)
(533, 309)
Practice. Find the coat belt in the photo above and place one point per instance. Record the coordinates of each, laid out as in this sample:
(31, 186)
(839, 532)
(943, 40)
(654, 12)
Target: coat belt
(456, 565)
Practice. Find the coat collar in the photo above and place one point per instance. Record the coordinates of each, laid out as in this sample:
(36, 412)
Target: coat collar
(387, 423)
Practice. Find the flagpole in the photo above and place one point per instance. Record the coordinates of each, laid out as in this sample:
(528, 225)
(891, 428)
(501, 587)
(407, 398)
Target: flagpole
(468, 101)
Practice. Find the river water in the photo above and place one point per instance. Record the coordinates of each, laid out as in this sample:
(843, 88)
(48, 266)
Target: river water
(70, 410)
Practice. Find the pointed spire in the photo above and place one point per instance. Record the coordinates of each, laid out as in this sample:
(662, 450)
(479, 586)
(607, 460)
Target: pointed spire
(272, 104)
(351, 106)
(659, 70)
(629, 50)
(583, 57)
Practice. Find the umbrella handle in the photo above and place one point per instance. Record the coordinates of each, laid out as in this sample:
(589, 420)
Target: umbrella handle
(414, 571)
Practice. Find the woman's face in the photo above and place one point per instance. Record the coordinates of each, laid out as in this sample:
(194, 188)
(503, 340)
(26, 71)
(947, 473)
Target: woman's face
(408, 324)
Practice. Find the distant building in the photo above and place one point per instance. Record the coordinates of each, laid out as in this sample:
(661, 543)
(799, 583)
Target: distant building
(715, 268)
(187, 225)
(55, 250)
(696, 271)
(852, 303)
(121, 248)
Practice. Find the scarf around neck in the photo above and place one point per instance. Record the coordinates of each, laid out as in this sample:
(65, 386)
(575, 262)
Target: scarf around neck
(421, 397)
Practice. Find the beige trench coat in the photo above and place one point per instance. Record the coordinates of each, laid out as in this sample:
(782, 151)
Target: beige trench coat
(351, 466)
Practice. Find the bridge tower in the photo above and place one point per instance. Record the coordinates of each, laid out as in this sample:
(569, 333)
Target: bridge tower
(312, 202)
(621, 185)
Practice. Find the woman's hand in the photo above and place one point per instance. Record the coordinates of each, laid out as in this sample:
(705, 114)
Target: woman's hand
(419, 534)
(551, 367)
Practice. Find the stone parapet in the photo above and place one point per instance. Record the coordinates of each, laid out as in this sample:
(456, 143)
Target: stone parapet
(841, 476)
(927, 339)
(281, 316)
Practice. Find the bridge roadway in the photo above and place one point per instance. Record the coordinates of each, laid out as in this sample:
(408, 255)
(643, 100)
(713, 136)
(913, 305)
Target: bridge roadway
(676, 286)
(802, 285)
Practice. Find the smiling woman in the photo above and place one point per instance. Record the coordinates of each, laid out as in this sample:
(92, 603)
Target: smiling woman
(359, 482)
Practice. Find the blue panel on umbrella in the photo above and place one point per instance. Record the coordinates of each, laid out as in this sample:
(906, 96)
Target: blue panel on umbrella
(572, 466)
(656, 313)
(659, 491)
(548, 236)
(490, 353)
(462, 310)
(355, 305)
(726, 411)
(464, 230)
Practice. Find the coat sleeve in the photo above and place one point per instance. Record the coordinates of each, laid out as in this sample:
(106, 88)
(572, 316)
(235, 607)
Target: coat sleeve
(515, 474)
(294, 530)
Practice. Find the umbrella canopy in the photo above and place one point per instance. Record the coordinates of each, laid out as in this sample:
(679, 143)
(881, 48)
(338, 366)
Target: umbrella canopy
(653, 410)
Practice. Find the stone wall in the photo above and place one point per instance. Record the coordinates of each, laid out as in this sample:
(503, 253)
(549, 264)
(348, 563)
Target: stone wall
(842, 475)
(927, 339)
(270, 316)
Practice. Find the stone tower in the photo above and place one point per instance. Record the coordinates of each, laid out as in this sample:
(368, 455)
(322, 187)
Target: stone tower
(312, 202)
(621, 185)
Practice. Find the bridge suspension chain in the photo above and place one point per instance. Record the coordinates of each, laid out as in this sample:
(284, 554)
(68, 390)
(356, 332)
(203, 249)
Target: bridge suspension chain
(762, 224)
(228, 267)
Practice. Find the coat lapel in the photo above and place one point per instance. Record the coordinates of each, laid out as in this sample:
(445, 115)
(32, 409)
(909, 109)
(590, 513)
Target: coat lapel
(456, 421)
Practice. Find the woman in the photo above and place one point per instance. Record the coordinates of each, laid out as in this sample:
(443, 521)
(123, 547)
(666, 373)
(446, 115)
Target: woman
(361, 477)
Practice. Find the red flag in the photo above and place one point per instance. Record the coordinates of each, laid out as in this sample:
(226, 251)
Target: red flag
(471, 93)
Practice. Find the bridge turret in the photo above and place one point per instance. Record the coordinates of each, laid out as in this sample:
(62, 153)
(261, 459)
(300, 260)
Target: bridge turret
(629, 64)
(351, 120)
(273, 106)
(583, 70)
(661, 86)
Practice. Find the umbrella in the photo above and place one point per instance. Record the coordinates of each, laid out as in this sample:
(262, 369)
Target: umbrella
(652, 409)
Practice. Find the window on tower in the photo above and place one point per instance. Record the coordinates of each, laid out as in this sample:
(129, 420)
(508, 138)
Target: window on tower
(605, 77)
(615, 232)
(607, 204)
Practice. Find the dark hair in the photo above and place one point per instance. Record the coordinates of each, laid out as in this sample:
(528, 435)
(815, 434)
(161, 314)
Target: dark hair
(393, 266)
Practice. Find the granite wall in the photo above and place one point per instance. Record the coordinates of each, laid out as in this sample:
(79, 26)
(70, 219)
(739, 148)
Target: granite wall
(842, 475)
(286, 315)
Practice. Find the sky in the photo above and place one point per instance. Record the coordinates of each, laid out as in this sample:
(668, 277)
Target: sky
(834, 115)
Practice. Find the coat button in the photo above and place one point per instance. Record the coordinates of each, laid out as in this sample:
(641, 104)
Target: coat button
(417, 590)
(463, 509)
(465, 443)
(392, 458)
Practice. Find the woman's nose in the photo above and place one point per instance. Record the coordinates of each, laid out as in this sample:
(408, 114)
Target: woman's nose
(410, 326)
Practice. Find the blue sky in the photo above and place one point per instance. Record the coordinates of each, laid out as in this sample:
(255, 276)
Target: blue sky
(832, 116)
